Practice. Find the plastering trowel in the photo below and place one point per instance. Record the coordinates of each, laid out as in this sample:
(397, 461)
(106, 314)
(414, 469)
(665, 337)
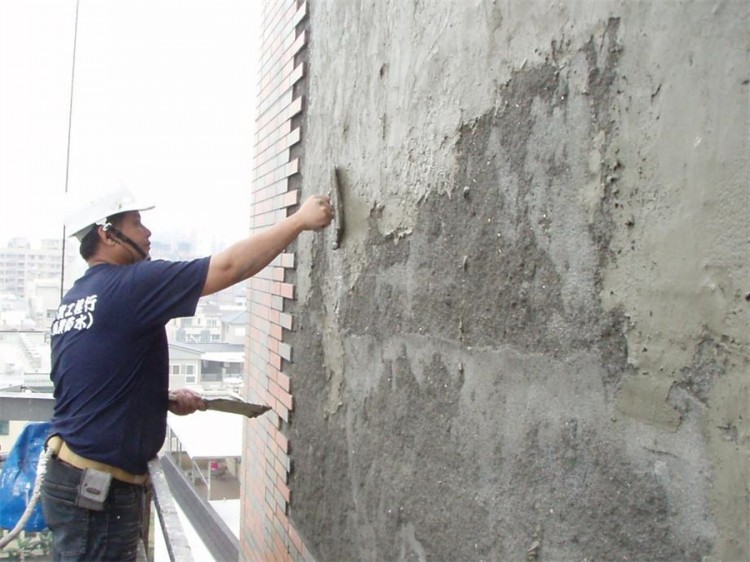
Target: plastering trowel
(338, 208)
(233, 405)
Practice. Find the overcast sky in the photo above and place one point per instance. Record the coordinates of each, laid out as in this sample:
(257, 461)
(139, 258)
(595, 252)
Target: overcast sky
(163, 102)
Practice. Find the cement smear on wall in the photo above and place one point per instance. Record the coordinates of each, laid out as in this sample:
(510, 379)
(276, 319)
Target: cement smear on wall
(533, 341)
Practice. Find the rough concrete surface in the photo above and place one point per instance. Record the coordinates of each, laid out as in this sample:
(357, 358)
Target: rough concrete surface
(532, 343)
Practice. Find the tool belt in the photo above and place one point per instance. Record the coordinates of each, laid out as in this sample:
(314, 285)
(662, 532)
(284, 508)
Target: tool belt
(61, 450)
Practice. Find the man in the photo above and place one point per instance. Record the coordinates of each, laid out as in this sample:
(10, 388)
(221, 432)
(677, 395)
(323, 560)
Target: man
(110, 366)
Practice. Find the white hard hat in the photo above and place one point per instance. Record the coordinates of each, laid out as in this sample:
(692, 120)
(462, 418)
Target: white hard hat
(82, 218)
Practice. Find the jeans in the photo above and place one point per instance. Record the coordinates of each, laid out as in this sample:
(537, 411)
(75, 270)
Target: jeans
(85, 535)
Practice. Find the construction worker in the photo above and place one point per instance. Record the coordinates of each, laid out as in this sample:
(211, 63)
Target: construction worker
(110, 366)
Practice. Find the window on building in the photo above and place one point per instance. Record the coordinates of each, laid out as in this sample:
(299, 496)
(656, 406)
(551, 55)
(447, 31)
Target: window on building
(4, 427)
(175, 369)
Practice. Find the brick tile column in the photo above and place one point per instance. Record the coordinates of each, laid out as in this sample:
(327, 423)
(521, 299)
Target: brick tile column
(265, 529)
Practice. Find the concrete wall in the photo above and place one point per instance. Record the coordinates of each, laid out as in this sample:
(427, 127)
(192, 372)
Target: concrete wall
(533, 340)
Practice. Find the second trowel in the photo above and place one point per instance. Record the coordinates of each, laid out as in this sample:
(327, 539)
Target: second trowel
(235, 406)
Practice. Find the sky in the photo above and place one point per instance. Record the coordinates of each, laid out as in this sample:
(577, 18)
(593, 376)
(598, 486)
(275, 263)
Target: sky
(163, 102)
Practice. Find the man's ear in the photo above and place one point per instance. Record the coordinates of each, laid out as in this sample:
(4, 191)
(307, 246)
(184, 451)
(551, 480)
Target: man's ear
(104, 236)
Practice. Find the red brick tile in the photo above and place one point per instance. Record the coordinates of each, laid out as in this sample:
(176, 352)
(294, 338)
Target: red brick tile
(282, 441)
(275, 360)
(283, 381)
(284, 489)
(286, 399)
(286, 290)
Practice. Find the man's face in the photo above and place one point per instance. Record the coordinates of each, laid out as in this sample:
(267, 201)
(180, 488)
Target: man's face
(132, 227)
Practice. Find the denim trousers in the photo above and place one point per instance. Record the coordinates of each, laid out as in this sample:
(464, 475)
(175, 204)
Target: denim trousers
(85, 535)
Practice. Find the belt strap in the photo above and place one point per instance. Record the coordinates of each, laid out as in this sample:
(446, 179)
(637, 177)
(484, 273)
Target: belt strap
(61, 450)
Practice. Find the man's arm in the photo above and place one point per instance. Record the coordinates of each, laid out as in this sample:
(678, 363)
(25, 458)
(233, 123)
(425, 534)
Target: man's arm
(247, 257)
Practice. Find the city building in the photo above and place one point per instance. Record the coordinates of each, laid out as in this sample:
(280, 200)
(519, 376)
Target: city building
(23, 263)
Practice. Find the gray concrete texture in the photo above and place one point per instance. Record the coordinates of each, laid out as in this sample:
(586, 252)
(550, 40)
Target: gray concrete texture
(532, 343)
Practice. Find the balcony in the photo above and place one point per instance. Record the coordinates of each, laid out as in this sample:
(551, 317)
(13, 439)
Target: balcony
(172, 497)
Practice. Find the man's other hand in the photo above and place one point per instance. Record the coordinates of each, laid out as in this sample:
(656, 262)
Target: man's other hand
(184, 401)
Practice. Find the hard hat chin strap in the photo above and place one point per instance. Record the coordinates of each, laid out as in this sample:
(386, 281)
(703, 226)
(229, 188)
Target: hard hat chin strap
(117, 233)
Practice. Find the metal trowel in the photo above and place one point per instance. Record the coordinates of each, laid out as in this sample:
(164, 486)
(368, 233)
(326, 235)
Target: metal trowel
(235, 406)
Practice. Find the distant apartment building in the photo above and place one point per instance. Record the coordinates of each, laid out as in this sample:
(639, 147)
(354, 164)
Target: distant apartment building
(25, 360)
(43, 298)
(22, 263)
(35, 310)
(207, 350)
(209, 366)
(213, 322)
(184, 366)
(197, 329)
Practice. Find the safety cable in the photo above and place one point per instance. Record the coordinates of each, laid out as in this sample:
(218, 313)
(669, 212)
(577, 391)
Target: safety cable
(67, 157)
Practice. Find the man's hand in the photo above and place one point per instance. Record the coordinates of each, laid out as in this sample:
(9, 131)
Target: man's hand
(184, 401)
(316, 212)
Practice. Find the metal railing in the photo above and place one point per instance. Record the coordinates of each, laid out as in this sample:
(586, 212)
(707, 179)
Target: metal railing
(163, 502)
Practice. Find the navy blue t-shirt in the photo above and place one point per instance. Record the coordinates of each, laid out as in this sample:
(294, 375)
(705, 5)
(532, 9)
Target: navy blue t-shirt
(110, 358)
